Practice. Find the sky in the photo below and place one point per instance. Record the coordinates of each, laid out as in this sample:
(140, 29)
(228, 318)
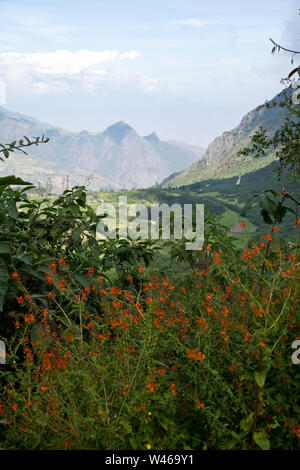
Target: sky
(188, 70)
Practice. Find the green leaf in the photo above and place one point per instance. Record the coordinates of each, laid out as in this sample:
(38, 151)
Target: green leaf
(133, 443)
(246, 423)
(9, 180)
(4, 249)
(262, 440)
(260, 378)
(3, 282)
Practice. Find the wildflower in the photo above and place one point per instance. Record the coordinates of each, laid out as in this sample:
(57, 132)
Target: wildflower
(49, 278)
(141, 269)
(151, 387)
(243, 224)
(61, 262)
(217, 258)
(52, 267)
(69, 337)
(200, 405)
(148, 446)
(268, 238)
(68, 444)
(29, 318)
(20, 300)
(297, 223)
(15, 407)
(62, 284)
(15, 276)
(90, 271)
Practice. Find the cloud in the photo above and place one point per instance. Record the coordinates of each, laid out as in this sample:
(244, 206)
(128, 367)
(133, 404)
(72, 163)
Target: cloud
(64, 70)
(60, 62)
(17, 21)
(130, 55)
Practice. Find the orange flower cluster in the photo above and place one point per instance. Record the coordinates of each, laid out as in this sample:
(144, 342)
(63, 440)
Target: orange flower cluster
(194, 355)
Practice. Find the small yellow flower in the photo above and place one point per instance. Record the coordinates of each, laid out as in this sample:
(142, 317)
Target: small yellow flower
(148, 446)
(149, 413)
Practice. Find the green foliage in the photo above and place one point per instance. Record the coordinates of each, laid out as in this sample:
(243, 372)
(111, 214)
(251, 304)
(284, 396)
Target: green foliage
(134, 344)
(285, 140)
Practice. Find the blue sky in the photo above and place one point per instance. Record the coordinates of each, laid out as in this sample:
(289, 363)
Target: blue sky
(187, 69)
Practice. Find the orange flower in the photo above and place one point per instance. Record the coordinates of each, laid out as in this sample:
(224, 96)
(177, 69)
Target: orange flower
(49, 278)
(68, 444)
(52, 267)
(150, 387)
(15, 276)
(29, 318)
(217, 258)
(243, 224)
(268, 238)
(62, 284)
(61, 262)
(14, 407)
(200, 405)
(20, 300)
(90, 271)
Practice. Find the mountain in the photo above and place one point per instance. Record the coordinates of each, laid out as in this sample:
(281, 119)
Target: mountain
(115, 158)
(220, 159)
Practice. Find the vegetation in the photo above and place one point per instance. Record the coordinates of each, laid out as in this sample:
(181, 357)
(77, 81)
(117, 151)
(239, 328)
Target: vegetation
(143, 345)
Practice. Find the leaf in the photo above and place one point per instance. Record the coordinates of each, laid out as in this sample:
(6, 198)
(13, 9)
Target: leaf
(4, 249)
(9, 180)
(248, 205)
(133, 443)
(266, 217)
(260, 378)
(262, 440)
(3, 282)
(247, 422)
(268, 203)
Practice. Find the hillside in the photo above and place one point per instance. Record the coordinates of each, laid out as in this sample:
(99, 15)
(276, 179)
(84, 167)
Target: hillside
(220, 159)
(118, 157)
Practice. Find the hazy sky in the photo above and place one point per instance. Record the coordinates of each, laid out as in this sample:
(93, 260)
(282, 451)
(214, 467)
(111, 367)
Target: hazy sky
(188, 69)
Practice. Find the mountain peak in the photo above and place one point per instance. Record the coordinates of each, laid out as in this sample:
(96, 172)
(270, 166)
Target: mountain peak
(118, 131)
(153, 137)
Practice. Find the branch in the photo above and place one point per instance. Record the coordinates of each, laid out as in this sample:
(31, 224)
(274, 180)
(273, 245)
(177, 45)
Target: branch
(6, 149)
(283, 48)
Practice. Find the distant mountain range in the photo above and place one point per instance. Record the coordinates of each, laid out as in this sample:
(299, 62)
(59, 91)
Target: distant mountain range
(220, 159)
(115, 158)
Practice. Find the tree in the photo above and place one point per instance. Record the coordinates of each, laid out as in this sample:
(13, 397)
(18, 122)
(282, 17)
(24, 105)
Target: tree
(285, 140)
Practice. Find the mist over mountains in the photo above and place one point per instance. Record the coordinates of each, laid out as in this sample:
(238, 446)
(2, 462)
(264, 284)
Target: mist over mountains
(116, 158)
